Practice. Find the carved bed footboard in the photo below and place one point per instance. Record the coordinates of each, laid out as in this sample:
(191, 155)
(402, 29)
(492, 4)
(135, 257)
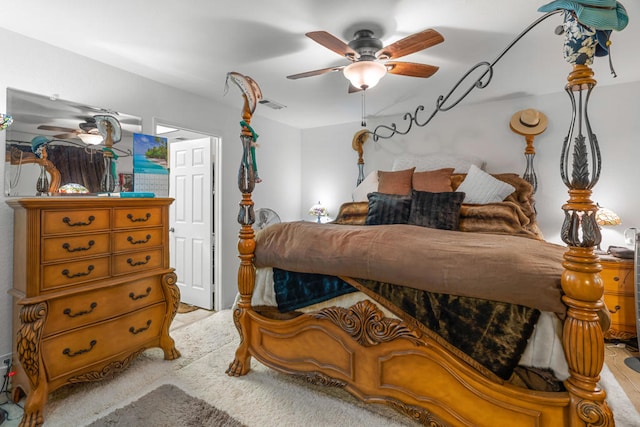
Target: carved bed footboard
(387, 361)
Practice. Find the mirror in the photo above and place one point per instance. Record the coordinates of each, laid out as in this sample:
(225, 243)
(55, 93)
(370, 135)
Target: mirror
(59, 154)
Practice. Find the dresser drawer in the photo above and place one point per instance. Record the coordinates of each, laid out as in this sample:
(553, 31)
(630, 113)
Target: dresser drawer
(73, 272)
(137, 239)
(74, 246)
(134, 262)
(137, 217)
(80, 310)
(618, 280)
(622, 309)
(75, 221)
(82, 347)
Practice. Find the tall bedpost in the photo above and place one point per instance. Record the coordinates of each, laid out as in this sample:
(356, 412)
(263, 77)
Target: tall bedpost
(246, 217)
(583, 338)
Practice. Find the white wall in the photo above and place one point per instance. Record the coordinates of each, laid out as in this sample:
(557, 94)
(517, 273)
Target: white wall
(482, 129)
(39, 68)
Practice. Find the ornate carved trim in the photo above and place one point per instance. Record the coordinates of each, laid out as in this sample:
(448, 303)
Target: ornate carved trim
(595, 413)
(169, 282)
(416, 413)
(108, 371)
(32, 318)
(367, 324)
(318, 378)
(613, 334)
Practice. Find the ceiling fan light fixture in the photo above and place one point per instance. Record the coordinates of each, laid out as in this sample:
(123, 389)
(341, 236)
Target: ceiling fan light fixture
(90, 138)
(365, 74)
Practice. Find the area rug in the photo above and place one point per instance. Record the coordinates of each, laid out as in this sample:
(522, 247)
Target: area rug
(262, 398)
(168, 406)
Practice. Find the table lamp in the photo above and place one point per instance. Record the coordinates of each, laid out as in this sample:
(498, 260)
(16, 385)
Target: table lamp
(319, 211)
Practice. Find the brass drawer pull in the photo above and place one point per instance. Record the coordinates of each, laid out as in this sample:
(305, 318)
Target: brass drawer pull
(135, 331)
(65, 272)
(67, 221)
(145, 219)
(137, 242)
(137, 297)
(68, 247)
(617, 308)
(67, 311)
(67, 351)
(133, 264)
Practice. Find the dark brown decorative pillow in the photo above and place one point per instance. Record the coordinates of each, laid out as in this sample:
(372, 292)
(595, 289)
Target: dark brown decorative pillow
(388, 209)
(395, 182)
(436, 210)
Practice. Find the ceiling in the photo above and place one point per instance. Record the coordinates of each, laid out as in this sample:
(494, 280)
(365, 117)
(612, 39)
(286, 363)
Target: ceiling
(191, 45)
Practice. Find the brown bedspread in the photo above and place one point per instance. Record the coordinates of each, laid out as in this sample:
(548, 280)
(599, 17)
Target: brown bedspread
(496, 267)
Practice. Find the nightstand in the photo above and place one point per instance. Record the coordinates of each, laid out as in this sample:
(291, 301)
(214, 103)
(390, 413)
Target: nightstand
(617, 275)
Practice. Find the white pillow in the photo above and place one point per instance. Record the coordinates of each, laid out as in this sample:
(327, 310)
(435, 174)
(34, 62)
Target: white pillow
(368, 185)
(481, 188)
(437, 161)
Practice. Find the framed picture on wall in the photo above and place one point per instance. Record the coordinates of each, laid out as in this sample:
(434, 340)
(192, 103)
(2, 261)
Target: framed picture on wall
(150, 167)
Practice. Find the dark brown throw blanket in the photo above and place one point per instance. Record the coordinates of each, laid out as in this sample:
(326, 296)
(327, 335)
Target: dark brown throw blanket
(494, 334)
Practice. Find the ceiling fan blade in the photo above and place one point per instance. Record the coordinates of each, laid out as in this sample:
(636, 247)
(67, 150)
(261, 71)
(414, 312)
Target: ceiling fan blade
(57, 129)
(66, 136)
(314, 73)
(413, 43)
(333, 43)
(411, 69)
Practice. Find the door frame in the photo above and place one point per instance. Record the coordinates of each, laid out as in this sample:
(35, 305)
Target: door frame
(216, 140)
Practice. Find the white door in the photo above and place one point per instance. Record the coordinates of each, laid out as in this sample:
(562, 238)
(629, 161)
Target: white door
(191, 219)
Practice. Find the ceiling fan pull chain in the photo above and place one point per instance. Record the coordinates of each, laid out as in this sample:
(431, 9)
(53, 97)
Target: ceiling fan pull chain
(364, 122)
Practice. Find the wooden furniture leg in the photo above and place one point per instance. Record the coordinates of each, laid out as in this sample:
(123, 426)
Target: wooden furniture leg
(172, 295)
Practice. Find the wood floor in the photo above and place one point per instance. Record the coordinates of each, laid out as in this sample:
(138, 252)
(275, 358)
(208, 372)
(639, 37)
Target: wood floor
(628, 378)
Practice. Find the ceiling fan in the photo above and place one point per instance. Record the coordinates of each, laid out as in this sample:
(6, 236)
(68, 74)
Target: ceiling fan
(370, 60)
(87, 131)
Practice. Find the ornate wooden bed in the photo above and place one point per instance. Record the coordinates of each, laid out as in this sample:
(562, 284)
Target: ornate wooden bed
(392, 361)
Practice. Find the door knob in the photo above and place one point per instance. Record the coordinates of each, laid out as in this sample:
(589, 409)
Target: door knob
(172, 229)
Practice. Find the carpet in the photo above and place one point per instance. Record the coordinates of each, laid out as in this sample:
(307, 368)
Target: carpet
(262, 398)
(168, 406)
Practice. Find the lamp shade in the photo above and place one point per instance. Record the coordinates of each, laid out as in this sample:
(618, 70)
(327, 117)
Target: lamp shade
(5, 121)
(90, 138)
(606, 216)
(318, 211)
(365, 74)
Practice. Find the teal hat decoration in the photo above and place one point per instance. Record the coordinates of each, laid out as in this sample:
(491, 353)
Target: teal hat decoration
(38, 142)
(597, 14)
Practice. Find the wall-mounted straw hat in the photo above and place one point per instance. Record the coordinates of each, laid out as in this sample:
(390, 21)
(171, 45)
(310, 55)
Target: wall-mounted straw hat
(528, 122)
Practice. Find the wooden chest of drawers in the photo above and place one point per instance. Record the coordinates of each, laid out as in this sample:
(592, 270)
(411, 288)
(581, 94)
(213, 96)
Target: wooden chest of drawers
(618, 278)
(92, 289)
